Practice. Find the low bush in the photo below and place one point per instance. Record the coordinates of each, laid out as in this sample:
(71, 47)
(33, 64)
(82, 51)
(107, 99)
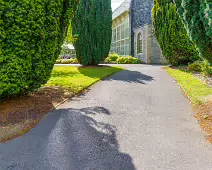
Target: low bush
(195, 67)
(128, 60)
(111, 59)
(201, 66)
(113, 56)
(67, 61)
(121, 60)
(206, 68)
(58, 61)
(107, 61)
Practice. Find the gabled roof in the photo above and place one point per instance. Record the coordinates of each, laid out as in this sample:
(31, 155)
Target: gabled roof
(125, 6)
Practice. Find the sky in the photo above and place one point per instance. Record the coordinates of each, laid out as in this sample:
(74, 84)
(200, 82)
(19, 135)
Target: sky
(116, 3)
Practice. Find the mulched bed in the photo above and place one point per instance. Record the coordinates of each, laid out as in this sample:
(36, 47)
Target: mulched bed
(205, 123)
(206, 79)
(20, 114)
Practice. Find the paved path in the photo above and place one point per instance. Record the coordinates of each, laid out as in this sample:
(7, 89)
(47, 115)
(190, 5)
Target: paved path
(136, 119)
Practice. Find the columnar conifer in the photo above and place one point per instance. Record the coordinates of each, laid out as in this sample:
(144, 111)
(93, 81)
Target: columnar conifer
(92, 29)
(171, 34)
(197, 18)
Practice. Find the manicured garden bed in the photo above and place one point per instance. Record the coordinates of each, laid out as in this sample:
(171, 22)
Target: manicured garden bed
(20, 114)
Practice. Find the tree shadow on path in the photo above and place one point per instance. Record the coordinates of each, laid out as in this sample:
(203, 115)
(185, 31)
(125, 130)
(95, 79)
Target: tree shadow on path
(131, 77)
(71, 139)
(124, 75)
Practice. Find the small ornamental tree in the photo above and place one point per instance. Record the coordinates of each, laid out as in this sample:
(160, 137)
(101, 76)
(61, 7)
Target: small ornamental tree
(31, 35)
(92, 30)
(171, 34)
(197, 18)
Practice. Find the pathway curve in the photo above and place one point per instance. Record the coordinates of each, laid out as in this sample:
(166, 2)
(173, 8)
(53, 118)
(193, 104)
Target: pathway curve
(136, 119)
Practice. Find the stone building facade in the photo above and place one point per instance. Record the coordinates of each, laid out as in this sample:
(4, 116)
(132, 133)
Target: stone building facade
(133, 32)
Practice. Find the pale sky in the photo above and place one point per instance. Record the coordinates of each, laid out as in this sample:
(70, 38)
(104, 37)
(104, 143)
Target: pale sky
(116, 3)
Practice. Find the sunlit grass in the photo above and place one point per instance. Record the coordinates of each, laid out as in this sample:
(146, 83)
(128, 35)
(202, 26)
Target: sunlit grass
(197, 90)
(78, 78)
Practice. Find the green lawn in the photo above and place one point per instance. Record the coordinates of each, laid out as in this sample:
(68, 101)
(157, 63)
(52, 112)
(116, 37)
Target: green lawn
(78, 78)
(195, 89)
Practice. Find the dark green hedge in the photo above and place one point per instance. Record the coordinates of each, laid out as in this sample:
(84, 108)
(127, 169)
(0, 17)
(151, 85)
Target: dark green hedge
(92, 29)
(171, 34)
(31, 35)
(197, 18)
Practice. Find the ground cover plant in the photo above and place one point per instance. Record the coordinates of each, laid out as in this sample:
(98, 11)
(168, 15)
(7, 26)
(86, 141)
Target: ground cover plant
(21, 113)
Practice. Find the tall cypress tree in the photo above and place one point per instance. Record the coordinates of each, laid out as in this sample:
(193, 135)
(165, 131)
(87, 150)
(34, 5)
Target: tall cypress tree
(197, 18)
(92, 29)
(171, 34)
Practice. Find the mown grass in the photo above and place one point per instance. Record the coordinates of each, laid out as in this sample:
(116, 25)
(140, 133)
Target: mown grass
(197, 90)
(76, 79)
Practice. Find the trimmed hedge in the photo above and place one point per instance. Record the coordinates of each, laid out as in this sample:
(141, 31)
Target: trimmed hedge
(197, 18)
(92, 30)
(31, 35)
(171, 34)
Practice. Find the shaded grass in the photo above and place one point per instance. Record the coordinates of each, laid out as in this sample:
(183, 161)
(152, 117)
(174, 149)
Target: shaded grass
(20, 114)
(197, 90)
(76, 79)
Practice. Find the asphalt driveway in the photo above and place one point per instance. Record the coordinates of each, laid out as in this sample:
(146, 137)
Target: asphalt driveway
(136, 119)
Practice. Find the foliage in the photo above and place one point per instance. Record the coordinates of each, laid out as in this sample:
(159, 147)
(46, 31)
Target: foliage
(121, 60)
(31, 35)
(128, 60)
(171, 34)
(201, 66)
(206, 68)
(195, 67)
(92, 29)
(197, 18)
(67, 61)
(111, 59)
(78, 78)
(195, 89)
(113, 56)
(70, 39)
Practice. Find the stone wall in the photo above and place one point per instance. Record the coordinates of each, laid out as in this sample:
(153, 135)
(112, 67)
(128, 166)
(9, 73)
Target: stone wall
(155, 54)
(141, 15)
(151, 52)
(141, 12)
(141, 21)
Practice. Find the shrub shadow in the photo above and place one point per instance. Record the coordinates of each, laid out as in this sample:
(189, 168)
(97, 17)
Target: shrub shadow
(97, 71)
(93, 144)
(131, 77)
(121, 75)
(69, 139)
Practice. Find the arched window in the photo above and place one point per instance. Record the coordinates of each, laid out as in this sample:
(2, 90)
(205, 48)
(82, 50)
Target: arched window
(139, 43)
